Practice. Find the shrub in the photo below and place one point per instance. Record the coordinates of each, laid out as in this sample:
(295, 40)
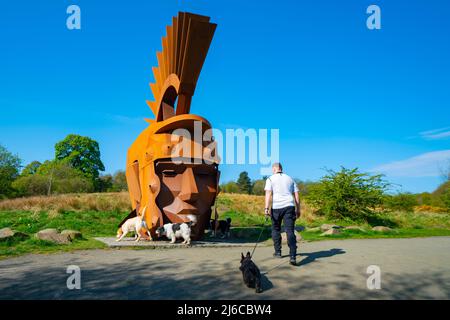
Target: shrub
(258, 187)
(104, 183)
(424, 199)
(445, 197)
(347, 193)
(401, 202)
(32, 185)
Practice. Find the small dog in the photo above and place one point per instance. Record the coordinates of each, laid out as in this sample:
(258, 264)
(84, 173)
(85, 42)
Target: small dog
(176, 230)
(250, 273)
(133, 224)
(223, 226)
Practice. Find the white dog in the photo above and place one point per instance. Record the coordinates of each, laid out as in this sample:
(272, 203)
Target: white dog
(133, 224)
(176, 230)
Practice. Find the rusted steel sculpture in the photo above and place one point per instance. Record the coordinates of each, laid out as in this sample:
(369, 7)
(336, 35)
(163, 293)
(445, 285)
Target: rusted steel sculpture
(183, 188)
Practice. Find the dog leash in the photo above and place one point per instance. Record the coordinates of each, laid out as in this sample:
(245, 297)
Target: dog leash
(260, 234)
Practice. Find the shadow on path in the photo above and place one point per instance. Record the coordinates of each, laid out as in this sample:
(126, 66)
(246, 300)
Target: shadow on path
(312, 256)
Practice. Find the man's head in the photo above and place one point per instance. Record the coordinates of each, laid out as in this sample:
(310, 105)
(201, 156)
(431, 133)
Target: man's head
(276, 168)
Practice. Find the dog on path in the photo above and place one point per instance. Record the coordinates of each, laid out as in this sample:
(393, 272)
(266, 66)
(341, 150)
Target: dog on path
(133, 224)
(250, 273)
(176, 230)
(222, 225)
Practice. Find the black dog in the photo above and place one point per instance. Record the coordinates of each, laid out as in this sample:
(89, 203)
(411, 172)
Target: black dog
(223, 226)
(250, 272)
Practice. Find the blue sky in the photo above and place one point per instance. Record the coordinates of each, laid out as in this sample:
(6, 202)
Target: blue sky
(339, 93)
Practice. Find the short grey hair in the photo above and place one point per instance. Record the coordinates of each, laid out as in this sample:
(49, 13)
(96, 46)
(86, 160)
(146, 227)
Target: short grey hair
(277, 165)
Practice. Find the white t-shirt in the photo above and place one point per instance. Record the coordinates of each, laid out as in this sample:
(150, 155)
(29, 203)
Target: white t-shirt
(282, 187)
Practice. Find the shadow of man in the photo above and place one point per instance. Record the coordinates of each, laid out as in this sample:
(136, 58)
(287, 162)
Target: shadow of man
(312, 256)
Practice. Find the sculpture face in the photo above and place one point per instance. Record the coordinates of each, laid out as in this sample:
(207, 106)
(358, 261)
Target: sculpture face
(187, 192)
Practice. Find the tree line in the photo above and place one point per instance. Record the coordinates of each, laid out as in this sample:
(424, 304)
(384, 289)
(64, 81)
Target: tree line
(350, 193)
(75, 168)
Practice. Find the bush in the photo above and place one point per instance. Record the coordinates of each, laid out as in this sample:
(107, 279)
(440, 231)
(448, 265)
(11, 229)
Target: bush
(401, 202)
(55, 176)
(104, 183)
(424, 199)
(32, 185)
(347, 194)
(258, 187)
(445, 198)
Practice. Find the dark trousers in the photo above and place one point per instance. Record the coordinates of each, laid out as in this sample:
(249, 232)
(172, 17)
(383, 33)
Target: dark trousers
(288, 214)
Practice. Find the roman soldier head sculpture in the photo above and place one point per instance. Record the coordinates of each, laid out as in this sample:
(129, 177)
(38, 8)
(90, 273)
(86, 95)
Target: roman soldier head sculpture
(172, 167)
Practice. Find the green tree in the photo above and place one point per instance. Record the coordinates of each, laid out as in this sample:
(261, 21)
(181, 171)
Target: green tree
(119, 181)
(348, 193)
(53, 177)
(31, 168)
(9, 170)
(304, 186)
(229, 187)
(439, 195)
(104, 183)
(82, 153)
(244, 183)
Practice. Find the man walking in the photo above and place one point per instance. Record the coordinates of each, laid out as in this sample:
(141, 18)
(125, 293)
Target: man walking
(285, 206)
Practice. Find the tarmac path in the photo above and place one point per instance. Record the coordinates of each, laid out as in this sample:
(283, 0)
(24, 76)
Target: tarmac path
(416, 268)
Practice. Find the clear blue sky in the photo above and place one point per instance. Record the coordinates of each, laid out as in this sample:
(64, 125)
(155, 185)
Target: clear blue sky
(339, 93)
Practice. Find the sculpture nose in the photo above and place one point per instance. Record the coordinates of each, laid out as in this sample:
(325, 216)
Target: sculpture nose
(189, 190)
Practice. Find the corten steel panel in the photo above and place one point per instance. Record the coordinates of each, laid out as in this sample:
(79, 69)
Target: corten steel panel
(169, 190)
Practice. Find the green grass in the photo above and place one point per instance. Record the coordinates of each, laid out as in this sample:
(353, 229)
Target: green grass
(244, 211)
(369, 234)
(32, 245)
(90, 223)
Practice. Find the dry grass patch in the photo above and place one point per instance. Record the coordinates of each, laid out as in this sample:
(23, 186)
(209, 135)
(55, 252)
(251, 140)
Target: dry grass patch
(69, 202)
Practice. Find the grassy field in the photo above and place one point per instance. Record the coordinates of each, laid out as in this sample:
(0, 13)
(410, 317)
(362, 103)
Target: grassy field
(99, 214)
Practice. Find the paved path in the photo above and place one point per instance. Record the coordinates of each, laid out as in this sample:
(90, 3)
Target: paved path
(130, 243)
(335, 269)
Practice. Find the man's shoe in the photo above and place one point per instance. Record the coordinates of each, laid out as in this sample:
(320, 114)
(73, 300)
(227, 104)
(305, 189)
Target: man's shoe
(292, 261)
(277, 255)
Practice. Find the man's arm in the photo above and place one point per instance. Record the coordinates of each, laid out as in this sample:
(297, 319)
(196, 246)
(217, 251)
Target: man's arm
(297, 204)
(267, 202)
